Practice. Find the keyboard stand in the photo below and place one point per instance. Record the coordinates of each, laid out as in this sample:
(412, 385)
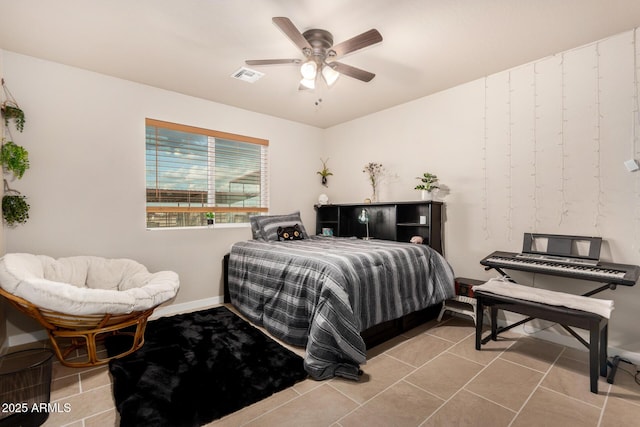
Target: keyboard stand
(614, 368)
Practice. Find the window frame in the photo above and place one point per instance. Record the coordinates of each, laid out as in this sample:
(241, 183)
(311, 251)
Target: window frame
(264, 193)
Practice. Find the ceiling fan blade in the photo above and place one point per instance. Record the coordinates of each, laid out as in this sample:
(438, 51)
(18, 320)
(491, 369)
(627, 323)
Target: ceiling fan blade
(272, 61)
(358, 42)
(292, 32)
(350, 71)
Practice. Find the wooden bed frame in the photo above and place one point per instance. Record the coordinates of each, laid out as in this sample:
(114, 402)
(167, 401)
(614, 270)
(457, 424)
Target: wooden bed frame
(377, 334)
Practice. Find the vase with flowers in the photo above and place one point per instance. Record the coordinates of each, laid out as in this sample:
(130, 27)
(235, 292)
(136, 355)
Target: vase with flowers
(375, 172)
(428, 185)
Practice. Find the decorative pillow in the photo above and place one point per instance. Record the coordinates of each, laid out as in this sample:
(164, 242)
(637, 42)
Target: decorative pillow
(256, 234)
(290, 233)
(268, 225)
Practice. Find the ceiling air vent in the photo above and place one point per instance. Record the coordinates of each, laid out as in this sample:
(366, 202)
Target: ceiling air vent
(247, 75)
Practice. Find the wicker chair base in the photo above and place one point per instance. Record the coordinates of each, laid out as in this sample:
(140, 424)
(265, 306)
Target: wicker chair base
(75, 338)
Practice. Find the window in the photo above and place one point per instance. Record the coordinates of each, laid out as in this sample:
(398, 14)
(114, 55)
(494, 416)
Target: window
(191, 171)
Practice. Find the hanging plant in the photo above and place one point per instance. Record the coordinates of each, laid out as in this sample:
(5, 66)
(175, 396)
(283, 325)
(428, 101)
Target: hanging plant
(14, 158)
(324, 173)
(11, 111)
(15, 209)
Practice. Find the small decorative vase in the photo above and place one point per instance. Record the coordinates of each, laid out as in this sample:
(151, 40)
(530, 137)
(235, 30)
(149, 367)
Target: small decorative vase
(426, 195)
(210, 222)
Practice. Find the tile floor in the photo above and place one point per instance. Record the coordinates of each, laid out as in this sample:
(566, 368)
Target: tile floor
(431, 376)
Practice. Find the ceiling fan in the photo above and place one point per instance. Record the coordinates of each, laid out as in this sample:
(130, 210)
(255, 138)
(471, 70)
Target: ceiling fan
(320, 54)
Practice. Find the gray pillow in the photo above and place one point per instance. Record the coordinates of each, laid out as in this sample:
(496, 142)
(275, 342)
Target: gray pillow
(267, 225)
(255, 228)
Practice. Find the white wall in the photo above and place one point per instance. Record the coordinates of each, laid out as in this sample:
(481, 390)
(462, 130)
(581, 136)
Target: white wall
(536, 148)
(539, 148)
(86, 185)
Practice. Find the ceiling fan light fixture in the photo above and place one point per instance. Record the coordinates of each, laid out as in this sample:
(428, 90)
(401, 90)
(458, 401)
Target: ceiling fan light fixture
(309, 70)
(317, 47)
(329, 75)
(308, 83)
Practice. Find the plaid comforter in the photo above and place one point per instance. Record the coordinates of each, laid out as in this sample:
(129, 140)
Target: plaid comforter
(322, 292)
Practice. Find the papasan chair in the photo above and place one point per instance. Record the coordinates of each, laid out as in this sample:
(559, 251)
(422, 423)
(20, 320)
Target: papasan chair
(83, 300)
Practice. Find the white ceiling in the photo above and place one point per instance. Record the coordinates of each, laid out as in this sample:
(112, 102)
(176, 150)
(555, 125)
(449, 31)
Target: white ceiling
(193, 46)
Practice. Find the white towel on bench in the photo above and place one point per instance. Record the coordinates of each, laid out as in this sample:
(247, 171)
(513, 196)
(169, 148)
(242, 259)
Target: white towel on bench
(509, 289)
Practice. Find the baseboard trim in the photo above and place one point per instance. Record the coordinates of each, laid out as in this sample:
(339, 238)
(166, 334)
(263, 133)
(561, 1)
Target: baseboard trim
(185, 307)
(27, 338)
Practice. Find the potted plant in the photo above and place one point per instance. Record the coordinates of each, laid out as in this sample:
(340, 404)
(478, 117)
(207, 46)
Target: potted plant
(15, 209)
(211, 218)
(429, 184)
(11, 111)
(324, 173)
(14, 158)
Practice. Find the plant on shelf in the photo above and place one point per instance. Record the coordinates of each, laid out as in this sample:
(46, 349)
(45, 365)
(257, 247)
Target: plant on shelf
(324, 173)
(211, 218)
(15, 209)
(429, 183)
(14, 158)
(11, 111)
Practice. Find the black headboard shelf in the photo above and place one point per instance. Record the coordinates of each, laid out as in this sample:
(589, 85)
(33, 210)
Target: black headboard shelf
(398, 221)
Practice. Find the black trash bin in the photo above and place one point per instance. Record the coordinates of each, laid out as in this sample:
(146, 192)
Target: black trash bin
(25, 387)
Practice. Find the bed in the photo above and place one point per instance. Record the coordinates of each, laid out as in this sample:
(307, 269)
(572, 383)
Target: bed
(323, 292)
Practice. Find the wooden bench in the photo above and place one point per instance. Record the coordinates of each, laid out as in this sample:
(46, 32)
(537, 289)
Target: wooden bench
(596, 324)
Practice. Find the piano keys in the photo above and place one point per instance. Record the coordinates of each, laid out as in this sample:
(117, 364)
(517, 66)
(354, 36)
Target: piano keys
(617, 274)
(577, 257)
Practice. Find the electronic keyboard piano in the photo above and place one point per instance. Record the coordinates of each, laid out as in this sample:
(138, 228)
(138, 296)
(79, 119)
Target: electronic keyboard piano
(577, 257)
(618, 274)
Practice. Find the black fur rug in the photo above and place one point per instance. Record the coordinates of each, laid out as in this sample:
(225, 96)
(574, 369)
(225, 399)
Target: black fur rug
(197, 367)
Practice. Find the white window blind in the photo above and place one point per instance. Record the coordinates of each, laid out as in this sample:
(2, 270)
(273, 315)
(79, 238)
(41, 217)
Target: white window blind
(191, 171)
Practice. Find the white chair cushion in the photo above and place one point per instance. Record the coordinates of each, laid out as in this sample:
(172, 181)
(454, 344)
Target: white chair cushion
(86, 285)
(501, 286)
